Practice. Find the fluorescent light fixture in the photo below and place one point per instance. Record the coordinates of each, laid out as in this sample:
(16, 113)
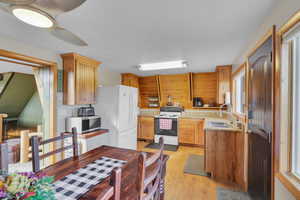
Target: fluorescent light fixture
(163, 65)
(33, 17)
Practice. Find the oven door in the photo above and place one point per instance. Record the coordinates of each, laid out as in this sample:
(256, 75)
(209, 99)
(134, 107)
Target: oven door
(172, 132)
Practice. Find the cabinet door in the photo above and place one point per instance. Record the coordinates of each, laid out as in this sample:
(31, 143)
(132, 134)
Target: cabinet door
(125, 79)
(130, 80)
(187, 130)
(146, 128)
(199, 134)
(85, 83)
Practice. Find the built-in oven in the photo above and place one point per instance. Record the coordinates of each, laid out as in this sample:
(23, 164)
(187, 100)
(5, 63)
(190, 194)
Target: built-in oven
(168, 132)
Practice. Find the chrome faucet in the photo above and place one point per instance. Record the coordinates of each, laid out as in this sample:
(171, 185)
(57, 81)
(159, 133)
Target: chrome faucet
(220, 111)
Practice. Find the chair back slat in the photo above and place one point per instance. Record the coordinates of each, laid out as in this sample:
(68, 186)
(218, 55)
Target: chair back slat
(153, 191)
(152, 159)
(4, 156)
(148, 183)
(55, 139)
(35, 143)
(114, 190)
(55, 151)
(152, 175)
(75, 143)
(35, 153)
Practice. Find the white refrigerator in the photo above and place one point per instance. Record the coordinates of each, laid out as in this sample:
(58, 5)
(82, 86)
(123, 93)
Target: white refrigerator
(118, 109)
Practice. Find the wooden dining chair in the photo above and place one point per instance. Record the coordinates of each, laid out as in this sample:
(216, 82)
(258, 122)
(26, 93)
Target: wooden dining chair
(150, 174)
(114, 190)
(35, 144)
(3, 156)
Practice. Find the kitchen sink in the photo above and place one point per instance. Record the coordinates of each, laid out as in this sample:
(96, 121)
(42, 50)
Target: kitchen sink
(220, 125)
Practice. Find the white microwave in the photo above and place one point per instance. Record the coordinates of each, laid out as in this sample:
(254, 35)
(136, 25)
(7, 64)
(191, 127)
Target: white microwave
(83, 124)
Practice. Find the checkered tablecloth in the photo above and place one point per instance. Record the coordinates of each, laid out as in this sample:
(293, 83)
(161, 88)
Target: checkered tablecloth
(78, 183)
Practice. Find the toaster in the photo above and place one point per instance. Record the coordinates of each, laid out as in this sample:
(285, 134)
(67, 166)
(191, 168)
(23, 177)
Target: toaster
(86, 111)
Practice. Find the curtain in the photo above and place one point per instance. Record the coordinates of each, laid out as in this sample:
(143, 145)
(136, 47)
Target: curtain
(44, 79)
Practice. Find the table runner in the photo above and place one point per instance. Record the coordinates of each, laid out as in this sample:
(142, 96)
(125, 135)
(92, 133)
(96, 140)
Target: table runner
(73, 186)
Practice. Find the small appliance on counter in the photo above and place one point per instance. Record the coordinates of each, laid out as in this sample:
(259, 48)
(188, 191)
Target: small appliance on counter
(197, 102)
(83, 124)
(86, 111)
(170, 102)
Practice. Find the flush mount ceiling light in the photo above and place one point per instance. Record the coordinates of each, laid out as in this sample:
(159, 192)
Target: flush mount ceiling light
(163, 65)
(33, 16)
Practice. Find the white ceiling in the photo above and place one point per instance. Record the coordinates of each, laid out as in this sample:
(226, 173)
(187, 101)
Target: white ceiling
(123, 34)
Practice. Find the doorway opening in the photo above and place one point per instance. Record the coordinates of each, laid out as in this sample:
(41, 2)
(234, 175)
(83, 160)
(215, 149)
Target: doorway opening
(27, 106)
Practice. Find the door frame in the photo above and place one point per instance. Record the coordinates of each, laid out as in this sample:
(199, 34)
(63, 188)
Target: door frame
(28, 61)
(270, 34)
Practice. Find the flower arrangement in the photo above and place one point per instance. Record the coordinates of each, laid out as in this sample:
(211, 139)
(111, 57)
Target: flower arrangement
(27, 185)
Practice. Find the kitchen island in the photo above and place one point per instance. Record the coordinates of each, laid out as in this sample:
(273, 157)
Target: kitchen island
(225, 152)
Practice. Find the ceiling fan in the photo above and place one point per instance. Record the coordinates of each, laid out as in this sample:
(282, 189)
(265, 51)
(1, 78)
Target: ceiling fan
(42, 14)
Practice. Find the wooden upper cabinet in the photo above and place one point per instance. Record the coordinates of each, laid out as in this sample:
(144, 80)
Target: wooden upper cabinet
(80, 79)
(178, 87)
(148, 87)
(191, 131)
(130, 80)
(223, 82)
(204, 85)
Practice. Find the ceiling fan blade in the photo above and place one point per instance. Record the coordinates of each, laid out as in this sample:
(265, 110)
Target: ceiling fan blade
(67, 36)
(67, 5)
(18, 2)
(56, 7)
(5, 8)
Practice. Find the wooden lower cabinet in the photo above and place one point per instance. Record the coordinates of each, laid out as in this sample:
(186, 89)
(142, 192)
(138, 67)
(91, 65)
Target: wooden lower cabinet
(224, 156)
(191, 131)
(146, 128)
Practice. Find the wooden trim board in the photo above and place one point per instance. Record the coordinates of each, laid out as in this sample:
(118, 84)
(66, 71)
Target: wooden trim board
(42, 63)
(283, 176)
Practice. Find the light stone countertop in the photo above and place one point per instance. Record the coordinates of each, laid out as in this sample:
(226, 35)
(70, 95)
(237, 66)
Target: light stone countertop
(209, 127)
(210, 116)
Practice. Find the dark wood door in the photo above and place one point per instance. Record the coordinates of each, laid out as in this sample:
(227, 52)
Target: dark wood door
(260, 121)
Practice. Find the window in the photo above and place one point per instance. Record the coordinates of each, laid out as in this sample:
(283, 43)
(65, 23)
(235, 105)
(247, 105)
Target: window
(239, 92)
(290, 97)
(295, 167)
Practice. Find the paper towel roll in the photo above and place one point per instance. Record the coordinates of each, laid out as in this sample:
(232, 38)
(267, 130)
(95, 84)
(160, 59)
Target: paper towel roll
(227, 98)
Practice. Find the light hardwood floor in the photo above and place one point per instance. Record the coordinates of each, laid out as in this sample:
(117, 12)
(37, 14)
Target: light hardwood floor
(180, 186)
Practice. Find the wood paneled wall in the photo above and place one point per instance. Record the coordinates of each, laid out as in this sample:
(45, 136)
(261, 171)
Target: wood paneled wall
(178, 87)
(130, 80)
(205, 86)
(148, 87)
(210, 86)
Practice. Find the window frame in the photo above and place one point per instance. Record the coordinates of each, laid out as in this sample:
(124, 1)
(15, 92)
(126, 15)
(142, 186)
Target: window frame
(291, 47)
(283, 130)
(235, 75)
(294, 49)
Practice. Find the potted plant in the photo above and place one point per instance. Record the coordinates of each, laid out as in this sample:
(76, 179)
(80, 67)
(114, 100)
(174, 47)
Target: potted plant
(27, 185)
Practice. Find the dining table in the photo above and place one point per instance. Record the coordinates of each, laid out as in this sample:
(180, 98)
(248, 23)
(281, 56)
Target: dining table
(129, 178)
